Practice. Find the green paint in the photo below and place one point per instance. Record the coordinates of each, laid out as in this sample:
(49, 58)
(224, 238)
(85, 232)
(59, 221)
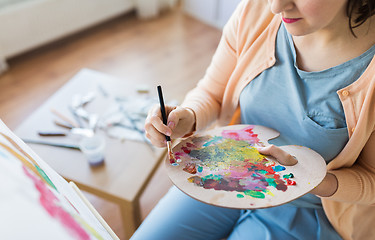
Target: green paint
(262, 171)
(213, 177)
(271, 182)
(45, 177)
(287, 176)
(240, 195)
(254, 194)
(227, 150)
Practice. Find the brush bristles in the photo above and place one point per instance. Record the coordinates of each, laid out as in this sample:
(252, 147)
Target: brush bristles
(170, 153)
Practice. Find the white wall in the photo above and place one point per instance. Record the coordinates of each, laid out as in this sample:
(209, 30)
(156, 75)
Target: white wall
(36, 22)
(213, 12)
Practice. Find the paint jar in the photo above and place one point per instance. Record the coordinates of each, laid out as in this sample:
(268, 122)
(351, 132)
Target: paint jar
(93, 149)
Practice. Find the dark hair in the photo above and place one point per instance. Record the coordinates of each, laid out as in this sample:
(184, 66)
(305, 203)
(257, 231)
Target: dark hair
(359, 11)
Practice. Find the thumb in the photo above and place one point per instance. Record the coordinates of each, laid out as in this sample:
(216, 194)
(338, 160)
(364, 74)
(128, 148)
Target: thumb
(280, 155)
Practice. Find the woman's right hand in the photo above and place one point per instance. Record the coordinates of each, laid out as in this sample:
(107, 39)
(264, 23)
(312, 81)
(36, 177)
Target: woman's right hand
(181, 121)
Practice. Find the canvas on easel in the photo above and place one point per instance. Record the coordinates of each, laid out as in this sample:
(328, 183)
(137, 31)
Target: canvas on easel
(37, 203)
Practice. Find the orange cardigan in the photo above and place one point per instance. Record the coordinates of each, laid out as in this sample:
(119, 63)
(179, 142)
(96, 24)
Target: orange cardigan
(246, 49)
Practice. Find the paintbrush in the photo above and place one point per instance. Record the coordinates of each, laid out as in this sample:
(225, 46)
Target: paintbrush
(63, 117)
(164, 116)
(62, 145)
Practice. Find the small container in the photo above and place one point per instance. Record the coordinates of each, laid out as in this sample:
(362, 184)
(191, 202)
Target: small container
(93, 149)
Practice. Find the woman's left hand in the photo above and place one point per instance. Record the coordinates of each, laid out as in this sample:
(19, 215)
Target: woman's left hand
(325, 189)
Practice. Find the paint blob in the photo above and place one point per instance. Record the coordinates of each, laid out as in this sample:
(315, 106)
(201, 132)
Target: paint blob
(230, 162)
(290, 175)
(171, 157)
(190, 168)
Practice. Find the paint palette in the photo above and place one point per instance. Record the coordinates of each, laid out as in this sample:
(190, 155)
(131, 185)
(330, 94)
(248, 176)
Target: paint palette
(222, 167)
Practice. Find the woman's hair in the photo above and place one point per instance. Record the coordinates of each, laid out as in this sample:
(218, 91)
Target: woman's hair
(359, 11)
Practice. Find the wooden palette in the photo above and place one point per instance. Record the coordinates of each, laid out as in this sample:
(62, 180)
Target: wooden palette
(222, 167)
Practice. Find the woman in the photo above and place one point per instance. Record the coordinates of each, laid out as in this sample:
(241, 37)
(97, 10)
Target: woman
(306, 69)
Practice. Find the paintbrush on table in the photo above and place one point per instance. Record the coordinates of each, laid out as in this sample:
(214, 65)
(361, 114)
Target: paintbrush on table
(164, 116)
(63, 117)
(62, 145)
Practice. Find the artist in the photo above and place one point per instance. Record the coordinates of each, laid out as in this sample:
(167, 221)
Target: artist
(305, 68)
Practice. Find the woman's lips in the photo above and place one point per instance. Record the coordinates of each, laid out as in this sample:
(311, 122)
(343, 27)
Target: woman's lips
(291, 20)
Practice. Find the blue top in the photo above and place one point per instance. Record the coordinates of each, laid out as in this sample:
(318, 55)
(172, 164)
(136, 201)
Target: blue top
(303, 106)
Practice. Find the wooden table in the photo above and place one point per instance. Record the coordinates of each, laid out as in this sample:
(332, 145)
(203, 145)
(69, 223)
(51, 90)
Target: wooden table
(129, 165)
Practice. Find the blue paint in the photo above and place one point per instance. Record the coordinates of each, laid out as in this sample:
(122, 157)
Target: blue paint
(278, 168)
(213, 141)
(3, 155)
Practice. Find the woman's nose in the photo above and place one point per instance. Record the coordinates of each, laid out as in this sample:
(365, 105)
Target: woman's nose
(278, 6)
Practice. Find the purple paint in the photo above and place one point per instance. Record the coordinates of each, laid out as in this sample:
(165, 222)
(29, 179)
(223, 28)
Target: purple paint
(231, 163)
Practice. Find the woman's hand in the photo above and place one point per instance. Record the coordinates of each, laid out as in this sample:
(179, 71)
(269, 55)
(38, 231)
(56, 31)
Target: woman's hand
(325, 189)
(181, 121)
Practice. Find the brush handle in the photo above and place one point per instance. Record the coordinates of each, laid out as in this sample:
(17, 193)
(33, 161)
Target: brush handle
(62, 145)
(51, 134)
(162, 109)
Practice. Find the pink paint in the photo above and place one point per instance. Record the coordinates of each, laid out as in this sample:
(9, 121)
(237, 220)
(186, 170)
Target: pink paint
(50, 203)
(71, 204)
(171, 158)
(190, 145)
(245, 134)
(179, 155)
(230, 163)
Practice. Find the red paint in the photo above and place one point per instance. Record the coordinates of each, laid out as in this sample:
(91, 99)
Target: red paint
(190, 168)
(190, 145)
(171, 158)
(178, 155)
(233, 135)
(261, 166)
(290, 182)
(71, 203)
(186, 150)
(251, 133)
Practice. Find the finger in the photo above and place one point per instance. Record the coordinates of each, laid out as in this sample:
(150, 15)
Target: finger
(155, 109)
(157, 139)
(156, 142)
(154, 118)
(174, 117)
(281, 156)
(169, 109)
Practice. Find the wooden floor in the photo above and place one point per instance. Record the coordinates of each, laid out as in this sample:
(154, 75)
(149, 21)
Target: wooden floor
(172, 49)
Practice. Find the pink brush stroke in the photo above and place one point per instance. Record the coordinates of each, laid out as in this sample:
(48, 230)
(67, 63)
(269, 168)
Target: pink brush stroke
(48, 201)
(245, 134)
